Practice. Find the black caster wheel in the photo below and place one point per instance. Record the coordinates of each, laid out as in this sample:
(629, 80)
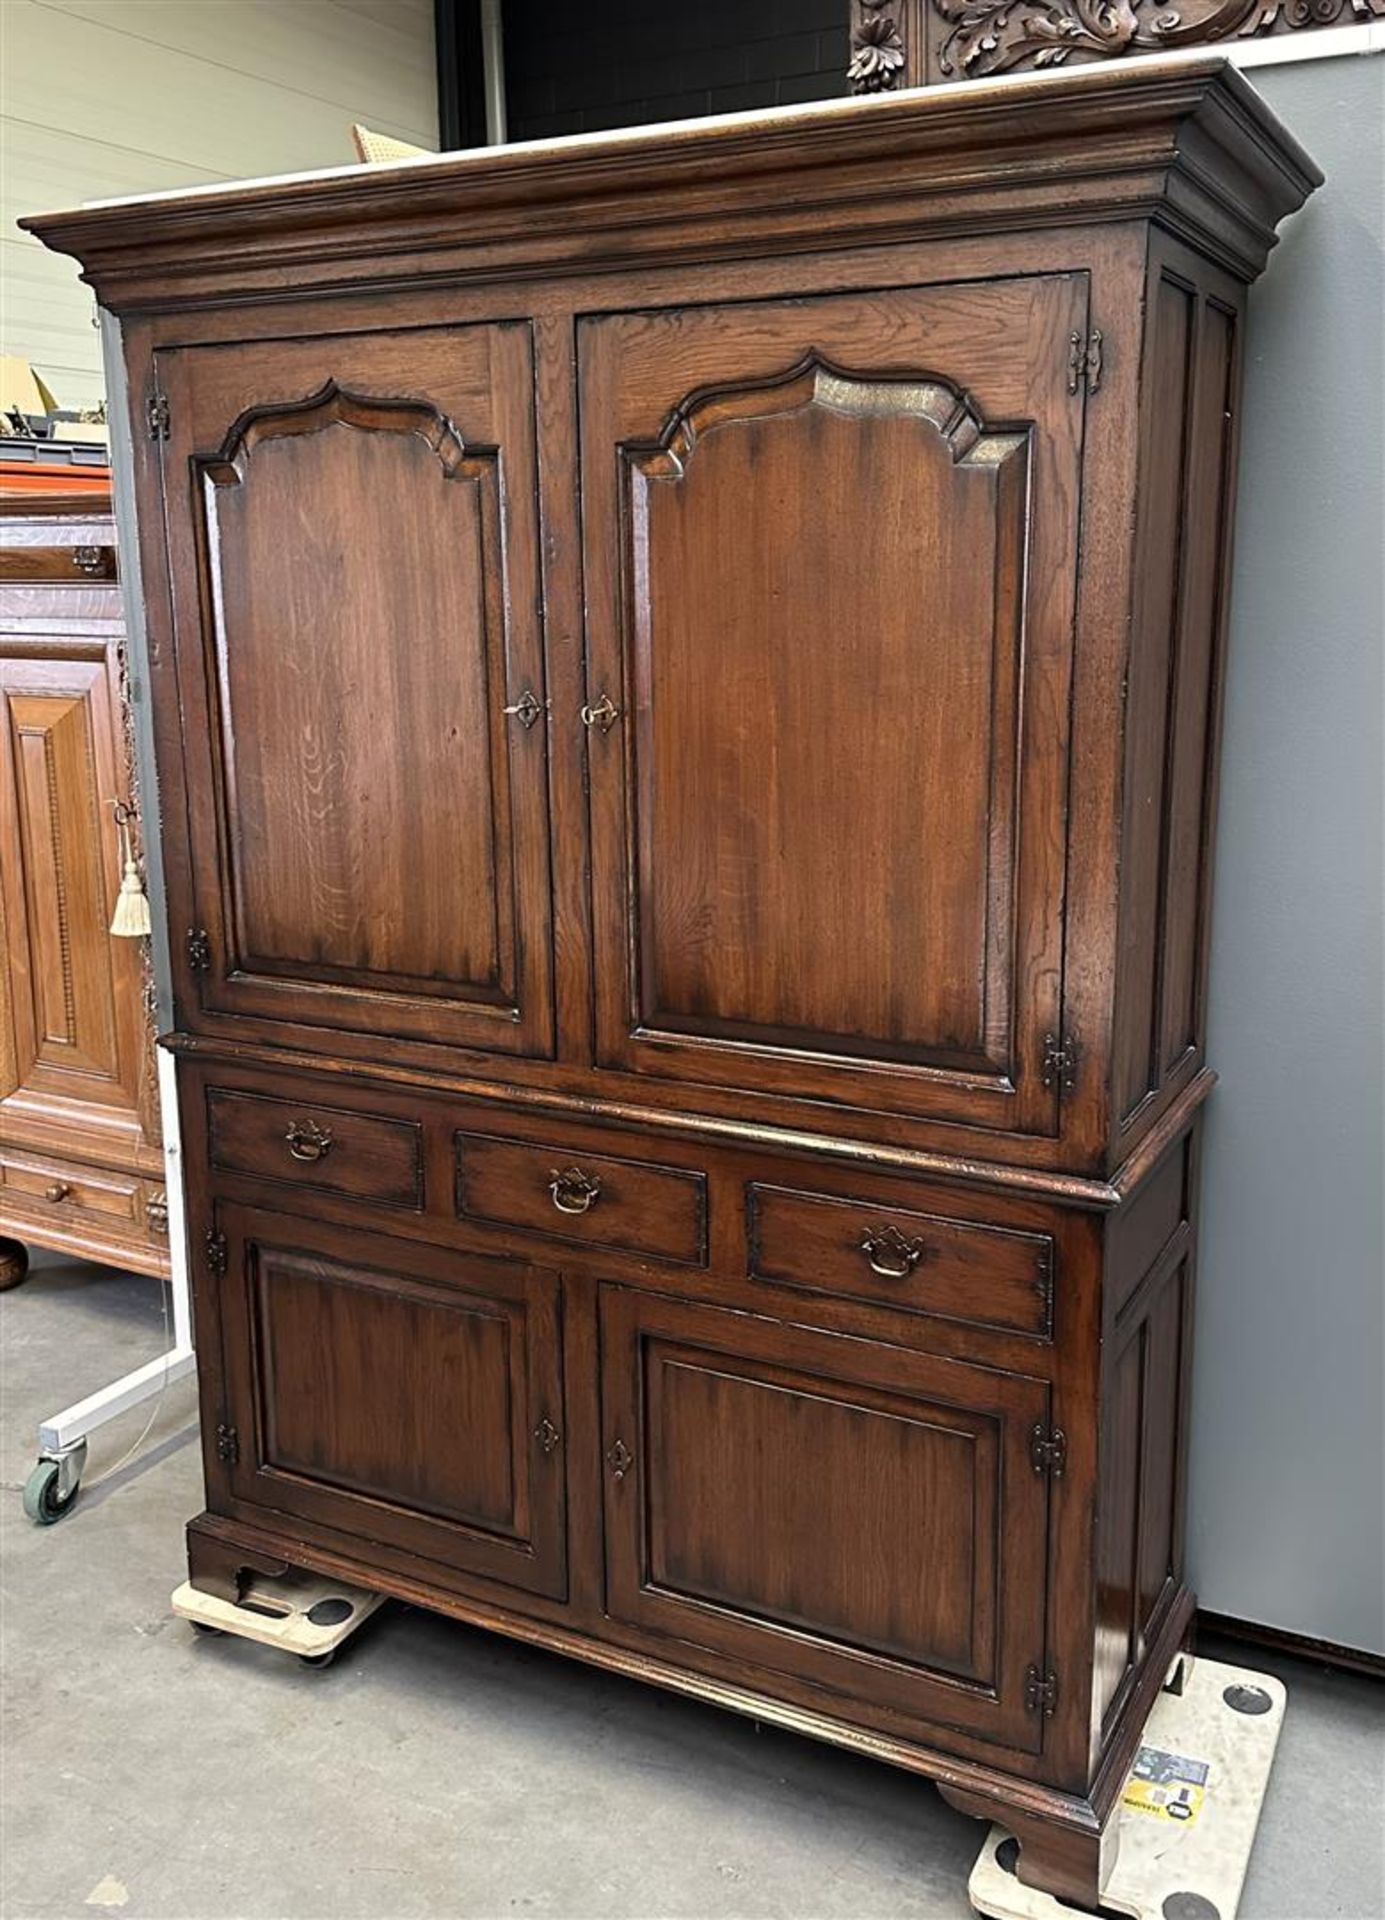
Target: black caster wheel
(42, 1501)
(317, 1659)
(205, 1626)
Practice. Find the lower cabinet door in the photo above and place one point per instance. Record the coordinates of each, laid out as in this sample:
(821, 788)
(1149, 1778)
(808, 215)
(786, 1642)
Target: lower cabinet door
(405, 1394)
(862, 1518)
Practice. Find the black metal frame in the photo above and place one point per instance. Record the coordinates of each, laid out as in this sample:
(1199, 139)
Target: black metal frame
(461, 86)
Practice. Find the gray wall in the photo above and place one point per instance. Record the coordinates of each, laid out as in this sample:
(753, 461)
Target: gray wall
(1288, 1431)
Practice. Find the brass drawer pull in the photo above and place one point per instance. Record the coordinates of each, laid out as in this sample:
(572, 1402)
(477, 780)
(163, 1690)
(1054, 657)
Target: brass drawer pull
(59, 1190)
(308, 1141)
(889, 1253)
(574, 1191)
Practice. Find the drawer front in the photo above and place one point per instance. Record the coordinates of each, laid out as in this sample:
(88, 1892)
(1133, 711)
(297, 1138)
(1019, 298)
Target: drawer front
(911, 1261)
(51, 1187)
(82, 564)
(584, 1198)
(329, 1149)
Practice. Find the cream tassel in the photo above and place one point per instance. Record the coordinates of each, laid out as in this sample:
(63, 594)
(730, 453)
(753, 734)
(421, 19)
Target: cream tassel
(131, 918)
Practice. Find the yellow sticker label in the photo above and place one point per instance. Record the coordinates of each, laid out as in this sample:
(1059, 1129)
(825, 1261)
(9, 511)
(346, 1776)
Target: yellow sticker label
(1166, 1786)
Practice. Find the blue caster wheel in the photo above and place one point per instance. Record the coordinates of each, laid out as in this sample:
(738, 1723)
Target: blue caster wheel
(45, 1502)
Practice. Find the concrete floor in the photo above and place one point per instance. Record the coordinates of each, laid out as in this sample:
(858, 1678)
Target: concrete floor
(438, 1771)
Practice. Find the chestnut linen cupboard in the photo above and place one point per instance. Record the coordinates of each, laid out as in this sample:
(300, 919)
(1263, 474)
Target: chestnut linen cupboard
(686, 669)
(81, 1154)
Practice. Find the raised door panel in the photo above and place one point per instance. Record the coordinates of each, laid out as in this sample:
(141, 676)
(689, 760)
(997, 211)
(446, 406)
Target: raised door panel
(831, 551)
(849, 1515)
(353, 526)
(75, 1022)
(399, 1393)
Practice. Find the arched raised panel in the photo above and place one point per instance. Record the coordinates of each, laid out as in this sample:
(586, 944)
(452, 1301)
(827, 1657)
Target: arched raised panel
(841, 625)
(55, 763)
(826, 577)
(392, 526)
(379, 818)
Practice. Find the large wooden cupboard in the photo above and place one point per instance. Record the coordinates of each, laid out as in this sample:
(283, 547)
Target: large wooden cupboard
(687, 671)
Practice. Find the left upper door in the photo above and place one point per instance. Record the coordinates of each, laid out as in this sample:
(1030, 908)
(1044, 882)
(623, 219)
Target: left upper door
(353, 557)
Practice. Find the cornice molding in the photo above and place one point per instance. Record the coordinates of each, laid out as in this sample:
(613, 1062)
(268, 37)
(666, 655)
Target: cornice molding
(1187, 142)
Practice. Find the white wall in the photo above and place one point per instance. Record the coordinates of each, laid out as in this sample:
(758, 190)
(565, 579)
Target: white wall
(1288, 1444)
(104, 97)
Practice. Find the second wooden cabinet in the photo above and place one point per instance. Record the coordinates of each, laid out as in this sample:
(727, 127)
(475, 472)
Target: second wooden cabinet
(81, 1150)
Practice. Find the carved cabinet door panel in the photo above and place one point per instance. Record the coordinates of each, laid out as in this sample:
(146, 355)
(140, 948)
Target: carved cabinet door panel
(831, 551)
(409, 1396)
(352, 524)
(856, 1517)
(74, 1049)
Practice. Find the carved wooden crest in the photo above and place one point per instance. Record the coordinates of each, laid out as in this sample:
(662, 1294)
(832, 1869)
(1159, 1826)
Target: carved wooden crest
(907, 43)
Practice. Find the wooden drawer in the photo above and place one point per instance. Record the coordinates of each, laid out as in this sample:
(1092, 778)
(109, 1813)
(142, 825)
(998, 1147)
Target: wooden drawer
(60, 1189)
(891, 1256)
(80, 564)
(326, 1149)
(587, 1198)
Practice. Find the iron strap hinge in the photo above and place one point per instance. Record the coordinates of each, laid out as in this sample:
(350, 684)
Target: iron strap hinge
(1048, 1449)
(1084, 361)
(199, 950)
(1060, 1062)
(157, 416)
(228, 1448)
(1040, 1692)
(214, 1252)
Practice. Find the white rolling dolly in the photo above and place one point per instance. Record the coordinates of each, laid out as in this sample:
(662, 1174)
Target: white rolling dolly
(1188, 1812)
(301, 1613)
(62, 1440)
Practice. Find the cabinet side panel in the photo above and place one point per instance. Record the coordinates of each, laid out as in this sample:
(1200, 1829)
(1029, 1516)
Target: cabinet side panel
(1148, 1326)
(1183, 515)
(1188, 823)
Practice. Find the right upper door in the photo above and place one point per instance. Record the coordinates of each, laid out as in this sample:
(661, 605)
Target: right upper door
(831, 551)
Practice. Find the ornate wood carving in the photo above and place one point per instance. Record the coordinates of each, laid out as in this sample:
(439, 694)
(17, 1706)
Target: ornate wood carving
(879, 43)
(980, 37)
(896, 44)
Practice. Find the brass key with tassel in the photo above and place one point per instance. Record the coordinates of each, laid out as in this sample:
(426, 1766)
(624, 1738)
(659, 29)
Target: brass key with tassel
(130, 921)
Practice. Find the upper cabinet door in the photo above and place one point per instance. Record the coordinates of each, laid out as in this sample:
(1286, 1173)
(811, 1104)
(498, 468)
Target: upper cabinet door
(831, 550)
(352, 524)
